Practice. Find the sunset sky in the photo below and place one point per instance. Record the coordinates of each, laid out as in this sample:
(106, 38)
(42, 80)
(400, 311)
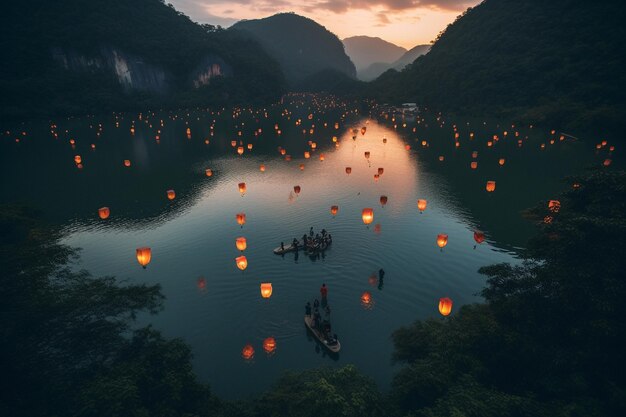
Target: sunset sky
(404, 22)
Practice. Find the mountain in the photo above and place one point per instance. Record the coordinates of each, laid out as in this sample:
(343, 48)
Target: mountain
(559, 62)
(376, 69)
(102, 55)
(366, 50)
(300, 45)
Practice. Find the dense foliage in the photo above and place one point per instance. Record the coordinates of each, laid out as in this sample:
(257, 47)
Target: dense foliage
(557, 61)
(67, 344)
(549, 340)
(300, 45)
(33, 83)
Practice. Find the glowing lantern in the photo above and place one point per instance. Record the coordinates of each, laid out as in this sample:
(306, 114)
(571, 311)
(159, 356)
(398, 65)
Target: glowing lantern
(126, 162)
(78, 159)
(336, 125)
(421, 205)
(366, 298)
(209, 172)
(144, 255)
(307, 154)
(269, 345)
(296, 189)
(241, 219)
(385, 141)
(242, 262)
(474, 165)
(262, 168)
(335, 139)
(445, 306)
(171, 194)
(241, 243)
(407, 147)
(381, 171)
(475, 154)
(334, 210)
(367, 155)
(283, 151)
(240, 150)
(348, 170)
(249, 146)
(233, 143)
(313, 145)
(479, 236)
(367, 215)
(501, 161)
(321, 157)
(607, 162)
(383, 200)
(242, 188)
(554, 206)
(301, 167)
(363, 129)
(247, 352)
(266, 289)
(491, 186)
(442, 240)
(441, 158)
(104, 212)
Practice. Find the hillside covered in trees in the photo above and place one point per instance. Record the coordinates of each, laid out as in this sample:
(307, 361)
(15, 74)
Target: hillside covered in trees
(301, 46)
(558, 61)
(92, 56)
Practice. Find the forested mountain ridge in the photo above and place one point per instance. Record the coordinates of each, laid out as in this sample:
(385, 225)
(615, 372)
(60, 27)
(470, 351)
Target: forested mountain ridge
(115, 55)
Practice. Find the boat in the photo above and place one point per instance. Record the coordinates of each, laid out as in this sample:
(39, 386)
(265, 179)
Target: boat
(333, 346)
(287, 248)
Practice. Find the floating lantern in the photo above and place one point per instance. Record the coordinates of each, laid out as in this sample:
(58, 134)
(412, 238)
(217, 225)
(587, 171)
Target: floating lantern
(249, 146)
(491, 186)
(126, 162)
(474, 165)
(421, 205)
(381, 171)
(104, 212)
(442, 240)
(262, 168)
(554, 206)
(171, 194)
(242, 188)
(266, 289)
(296, 189)
(501, 161)
(269, 345)
(322, 157)
(144, 255)
(367, 215)
(78, 159)
(383, 200)
(307, 154)
(242, 262)
(479, 236)
(240, 150)
(475, 154)
(209, 172)
(348, 170)
(367, 155)
(366, 298)
(334, 210)
(241, 219)
(247, 352)
(607, 162)
(445, 306)
(233, 143)
(301, 167)
(241, 243)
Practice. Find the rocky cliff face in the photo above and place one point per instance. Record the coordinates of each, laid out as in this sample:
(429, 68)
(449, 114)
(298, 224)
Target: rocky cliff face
(133, 73)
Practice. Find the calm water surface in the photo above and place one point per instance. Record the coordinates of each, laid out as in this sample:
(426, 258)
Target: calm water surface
(193, 237)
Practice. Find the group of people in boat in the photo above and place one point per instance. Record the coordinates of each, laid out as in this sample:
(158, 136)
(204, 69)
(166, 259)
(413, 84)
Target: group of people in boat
(313, 242)
(319, 323)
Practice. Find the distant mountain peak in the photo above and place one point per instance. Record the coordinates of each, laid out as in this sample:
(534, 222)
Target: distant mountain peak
(367, 50)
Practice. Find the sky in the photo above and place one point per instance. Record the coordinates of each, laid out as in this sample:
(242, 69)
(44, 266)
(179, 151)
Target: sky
(404, 22)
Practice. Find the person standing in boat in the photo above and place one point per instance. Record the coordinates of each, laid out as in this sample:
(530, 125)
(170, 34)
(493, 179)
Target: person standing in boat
(304, 239)
(324, 291)
(282, 246)
(311, 231)
(294, 243)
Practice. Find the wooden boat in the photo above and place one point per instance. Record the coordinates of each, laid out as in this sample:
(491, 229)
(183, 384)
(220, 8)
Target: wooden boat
(331, 347)
(287, 248)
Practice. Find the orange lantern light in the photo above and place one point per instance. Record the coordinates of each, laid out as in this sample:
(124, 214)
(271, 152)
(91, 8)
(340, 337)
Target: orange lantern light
(171, 194)
(78, 159)
(126, 162)
(247, 352)
(209, 172)
(144, 255)
(475, 154)
(554, 206)
(241, 243)
(242, 188)
(442, 240)
(381, 171)
(240, 150)
(104, 212)
(445, 306)
(296, 189)
(334, 210)
(307, 154)
(262, 168)
(348, 170)
(233, 143)
(242, 262)
(383, 200)
(241, 219)
(491, 186)
(322, 157)
(607, 162)
(501, 161)
(473, 164)
(266, 289)
(269, 345)
(479, 236)
(367, 215)
(366, 298)
(421, 205)
(367, 155)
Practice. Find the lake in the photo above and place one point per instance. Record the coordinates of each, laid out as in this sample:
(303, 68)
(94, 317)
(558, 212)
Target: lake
(217, 308)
